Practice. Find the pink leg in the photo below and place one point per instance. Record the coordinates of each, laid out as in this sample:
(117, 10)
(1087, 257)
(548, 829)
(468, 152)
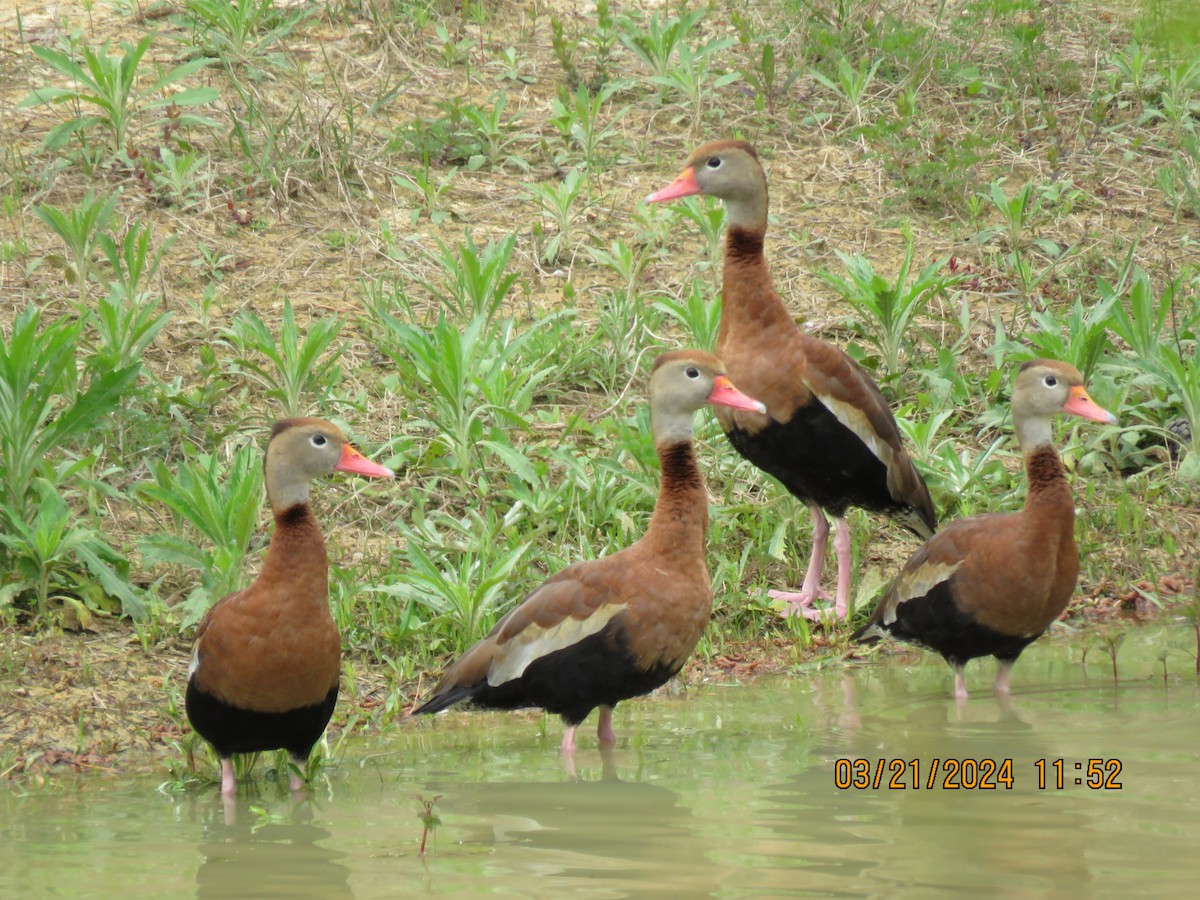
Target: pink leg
(810, 590)
(1004, 703)
(297, 783)
(568, 752)
(1002, 685)
(228, 779)
(845, 555)
(568, 741)
(604, 730)
(960, 684)
(845, 561)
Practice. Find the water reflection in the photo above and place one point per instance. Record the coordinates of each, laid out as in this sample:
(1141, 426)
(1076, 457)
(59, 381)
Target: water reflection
(912, 834)
(604, 833)
(1033, 838)
(280, 856)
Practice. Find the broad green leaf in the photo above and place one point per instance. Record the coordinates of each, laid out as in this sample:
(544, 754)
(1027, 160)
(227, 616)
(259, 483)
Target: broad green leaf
(102, 396)
(189, 97)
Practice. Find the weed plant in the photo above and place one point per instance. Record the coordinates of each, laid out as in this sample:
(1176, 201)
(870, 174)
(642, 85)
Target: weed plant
(105, 92)
(243, 33)
(47, 412)
(132, 261)
(470, 378)
(558, 201)
(458, 573)
(215, 509)
(889, 311)
(81, 229)
(294, 373)
(125, 328)
(583, 125)
(850, 85)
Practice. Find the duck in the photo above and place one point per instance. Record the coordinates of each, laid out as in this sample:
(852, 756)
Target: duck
(828, 435)
(605, 630)
(991, 584)
(266, 660)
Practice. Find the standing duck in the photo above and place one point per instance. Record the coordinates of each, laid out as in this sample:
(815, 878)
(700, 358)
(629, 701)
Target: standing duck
(828, 434)
(609, 629)
(265, 666)
(989, 585)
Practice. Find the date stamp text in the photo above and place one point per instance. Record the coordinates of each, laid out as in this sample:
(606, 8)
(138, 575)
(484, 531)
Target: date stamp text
(984, 774)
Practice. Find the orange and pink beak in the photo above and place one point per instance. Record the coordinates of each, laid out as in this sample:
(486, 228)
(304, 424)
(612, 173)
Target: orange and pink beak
(683, 186)
(725, 394)
(356, 464)
(1080, 404)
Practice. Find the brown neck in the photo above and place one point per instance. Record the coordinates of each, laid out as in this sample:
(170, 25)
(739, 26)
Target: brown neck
(297, 555)
(1048, 487)
(681, 514)
(749, 295)
(744, 246)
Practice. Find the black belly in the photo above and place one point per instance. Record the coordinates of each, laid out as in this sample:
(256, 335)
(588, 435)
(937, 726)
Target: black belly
(820, 460)
(231, 729)
(934, 621)
(598, 671)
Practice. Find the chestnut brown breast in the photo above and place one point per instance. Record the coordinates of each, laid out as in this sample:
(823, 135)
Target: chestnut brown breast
(274, 647)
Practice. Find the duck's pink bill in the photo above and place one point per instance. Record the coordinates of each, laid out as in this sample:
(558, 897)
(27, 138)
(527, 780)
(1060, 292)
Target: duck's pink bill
(725, 394)
(355, 463)
(1080, 404)
(683, 186)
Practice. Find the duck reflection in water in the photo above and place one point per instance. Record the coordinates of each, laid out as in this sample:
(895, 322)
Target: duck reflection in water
(613, 834)
(261, 857)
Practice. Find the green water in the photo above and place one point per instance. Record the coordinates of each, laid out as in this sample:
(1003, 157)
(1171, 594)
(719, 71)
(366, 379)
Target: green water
(725, 791)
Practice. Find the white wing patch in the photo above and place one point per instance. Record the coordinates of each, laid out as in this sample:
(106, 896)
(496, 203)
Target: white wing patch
(856, 420)
(917, 583)
(194, 665)
(534, 642)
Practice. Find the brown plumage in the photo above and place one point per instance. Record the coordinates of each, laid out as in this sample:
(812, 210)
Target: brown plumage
(989, 585)
(265, 665)
(828, 434)
(608, 629)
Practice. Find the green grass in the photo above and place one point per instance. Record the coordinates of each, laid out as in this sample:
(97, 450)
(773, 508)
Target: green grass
(425, 221)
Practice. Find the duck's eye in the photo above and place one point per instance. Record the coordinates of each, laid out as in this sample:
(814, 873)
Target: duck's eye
(1050, 381)
(318, 440)
(714, 162)
(692, 372)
